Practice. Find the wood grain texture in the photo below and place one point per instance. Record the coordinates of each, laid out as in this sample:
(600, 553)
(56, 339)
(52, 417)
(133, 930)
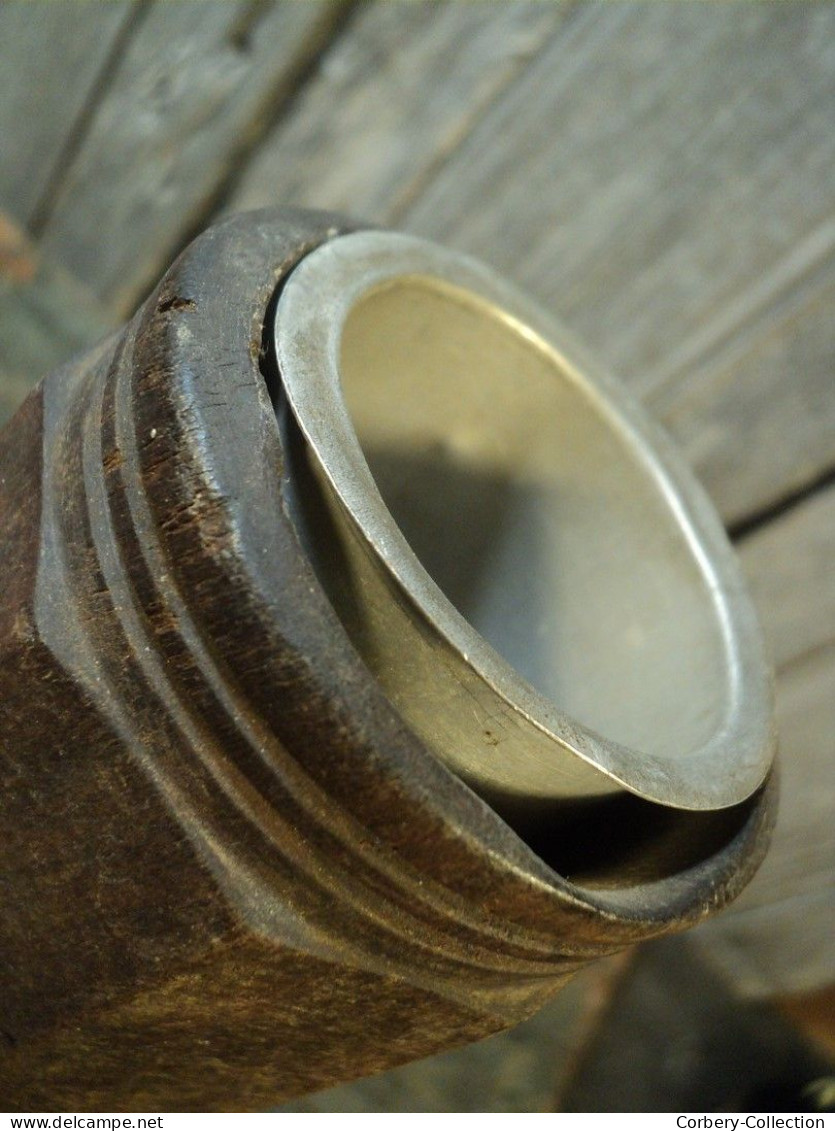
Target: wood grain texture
(45, 317)
(394, 96)
(655, 161)
(511, 1071)
(195, 81)
(675, 1037)
(790, 565)
(658, 175)
(51, 58)
(802, 859)
(778, 936)
(774, 950)
(661, 178)
(756, 416)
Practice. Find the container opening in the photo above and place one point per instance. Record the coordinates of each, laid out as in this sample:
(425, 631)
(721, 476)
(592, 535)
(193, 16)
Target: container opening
(525, 502)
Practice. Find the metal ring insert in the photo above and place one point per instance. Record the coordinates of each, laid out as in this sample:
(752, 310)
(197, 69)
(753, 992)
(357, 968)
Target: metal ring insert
(529, 570)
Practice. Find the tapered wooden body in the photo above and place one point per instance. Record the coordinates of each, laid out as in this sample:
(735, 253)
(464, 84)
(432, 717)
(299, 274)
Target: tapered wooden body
(228, 871)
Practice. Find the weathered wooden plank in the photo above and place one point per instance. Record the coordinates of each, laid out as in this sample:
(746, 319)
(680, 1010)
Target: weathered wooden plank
(196, 79)
(394, 96)
(775, 950)
(659, 250)
(51, 57)
(790, 565)
(643, 178)
(677, 1038)
(45, 317)
(757, 417)
(761, 363)
(778, 937)
(802, 857)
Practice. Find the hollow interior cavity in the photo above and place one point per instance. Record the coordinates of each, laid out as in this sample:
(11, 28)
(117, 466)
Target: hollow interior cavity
(535, 514)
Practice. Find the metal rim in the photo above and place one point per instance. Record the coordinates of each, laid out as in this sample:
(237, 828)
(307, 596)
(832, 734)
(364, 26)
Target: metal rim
(571, 759)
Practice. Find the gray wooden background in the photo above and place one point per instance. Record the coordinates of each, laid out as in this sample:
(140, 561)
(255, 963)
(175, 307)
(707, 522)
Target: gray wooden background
(661, 175)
